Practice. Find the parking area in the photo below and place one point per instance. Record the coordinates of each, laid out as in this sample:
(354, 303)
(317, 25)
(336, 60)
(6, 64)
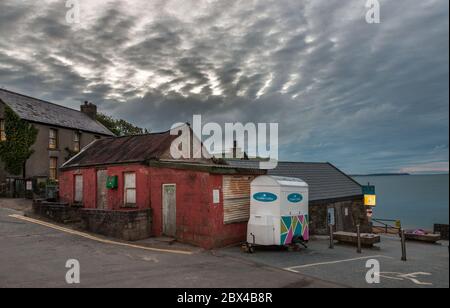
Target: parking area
(427, 265)
(34, 254)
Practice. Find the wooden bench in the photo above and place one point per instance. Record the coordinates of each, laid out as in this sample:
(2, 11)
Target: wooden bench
(427, 238)
(367, 240)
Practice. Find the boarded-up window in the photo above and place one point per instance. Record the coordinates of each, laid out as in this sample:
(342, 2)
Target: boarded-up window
(130, 189)
(78, 189)
(236, 198)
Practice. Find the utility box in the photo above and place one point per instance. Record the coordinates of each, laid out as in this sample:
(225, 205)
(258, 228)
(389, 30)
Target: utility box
(112, 182)
(279, 214)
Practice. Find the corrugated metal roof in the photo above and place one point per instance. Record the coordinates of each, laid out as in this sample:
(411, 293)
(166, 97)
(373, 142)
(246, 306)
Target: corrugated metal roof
(325, 180)
(35, 110)
(129, 149)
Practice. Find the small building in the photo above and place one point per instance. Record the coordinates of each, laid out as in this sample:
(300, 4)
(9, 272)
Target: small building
(61, 133)
(132, 188)
(331, 192)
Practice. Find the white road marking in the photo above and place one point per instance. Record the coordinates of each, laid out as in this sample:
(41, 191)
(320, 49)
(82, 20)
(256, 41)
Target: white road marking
(293, 268)
(412, 277)
(97, 239)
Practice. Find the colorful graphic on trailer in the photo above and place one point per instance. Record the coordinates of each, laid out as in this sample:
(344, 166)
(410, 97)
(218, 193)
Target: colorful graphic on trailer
(292, 227)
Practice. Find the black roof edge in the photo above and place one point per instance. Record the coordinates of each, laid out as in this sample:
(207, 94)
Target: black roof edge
(335, 200)
(172, 165)
(345, 174)
(77, 129)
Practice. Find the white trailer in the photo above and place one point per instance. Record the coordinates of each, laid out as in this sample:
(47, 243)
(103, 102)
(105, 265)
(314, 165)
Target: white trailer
(279, 213)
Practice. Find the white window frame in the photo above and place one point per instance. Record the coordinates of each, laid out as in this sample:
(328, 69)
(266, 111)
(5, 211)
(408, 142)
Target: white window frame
(129, 188)
(77, 141)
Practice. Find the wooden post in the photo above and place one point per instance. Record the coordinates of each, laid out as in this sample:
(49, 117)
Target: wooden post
(331, 237)
(403, 245)
(358, 231)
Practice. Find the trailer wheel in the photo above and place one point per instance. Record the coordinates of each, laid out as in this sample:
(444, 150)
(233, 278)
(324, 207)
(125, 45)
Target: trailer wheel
(251, 249)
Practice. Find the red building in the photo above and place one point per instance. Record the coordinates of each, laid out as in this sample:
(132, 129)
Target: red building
(131, 188)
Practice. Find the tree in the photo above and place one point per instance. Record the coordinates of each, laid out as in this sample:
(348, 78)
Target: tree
(16, 149)
(120, 127)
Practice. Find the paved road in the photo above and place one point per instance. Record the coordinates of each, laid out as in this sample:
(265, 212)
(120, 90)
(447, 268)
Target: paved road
(35, 256)
(427, 265)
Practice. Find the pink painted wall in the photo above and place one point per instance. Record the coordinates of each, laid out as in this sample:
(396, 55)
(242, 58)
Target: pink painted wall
(199, 220)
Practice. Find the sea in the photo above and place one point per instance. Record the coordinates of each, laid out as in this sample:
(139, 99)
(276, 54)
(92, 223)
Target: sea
(419, 201)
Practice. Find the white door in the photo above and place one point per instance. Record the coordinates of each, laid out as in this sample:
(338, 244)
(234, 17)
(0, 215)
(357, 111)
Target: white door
(102, 177)
(78, 189)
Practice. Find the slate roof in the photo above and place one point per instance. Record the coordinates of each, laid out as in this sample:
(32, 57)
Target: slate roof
(39, 111)
(325, 180)
(121, 150)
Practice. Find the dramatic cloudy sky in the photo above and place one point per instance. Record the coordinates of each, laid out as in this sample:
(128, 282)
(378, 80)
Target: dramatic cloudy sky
(369, 98)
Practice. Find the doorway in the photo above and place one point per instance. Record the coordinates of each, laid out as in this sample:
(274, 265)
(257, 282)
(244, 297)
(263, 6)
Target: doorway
(102, 178)
(169, 200)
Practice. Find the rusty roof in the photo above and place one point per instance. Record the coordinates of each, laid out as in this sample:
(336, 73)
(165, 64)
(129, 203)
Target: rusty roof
(119, 150)
(151, 149)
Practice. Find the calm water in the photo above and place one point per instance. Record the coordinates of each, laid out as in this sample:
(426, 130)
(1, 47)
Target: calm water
(419, 201)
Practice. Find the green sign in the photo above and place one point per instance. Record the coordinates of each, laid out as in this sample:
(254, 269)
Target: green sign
(369, 190)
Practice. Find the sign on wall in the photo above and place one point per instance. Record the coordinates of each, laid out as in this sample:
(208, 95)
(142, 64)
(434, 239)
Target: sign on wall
(216, 196)
(370, 200)
(331, 216)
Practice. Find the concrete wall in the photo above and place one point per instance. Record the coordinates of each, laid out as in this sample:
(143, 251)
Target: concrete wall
(39, 163)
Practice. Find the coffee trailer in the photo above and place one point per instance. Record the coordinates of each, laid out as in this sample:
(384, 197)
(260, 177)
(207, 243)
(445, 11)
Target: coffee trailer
(278, 212)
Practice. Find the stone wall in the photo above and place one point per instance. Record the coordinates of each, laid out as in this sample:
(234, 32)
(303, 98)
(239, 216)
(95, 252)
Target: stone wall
(130, 225)
(348, 213)
(58, 212)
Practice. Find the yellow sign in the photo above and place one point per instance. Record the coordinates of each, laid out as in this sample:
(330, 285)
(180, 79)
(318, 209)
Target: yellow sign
(370, 200)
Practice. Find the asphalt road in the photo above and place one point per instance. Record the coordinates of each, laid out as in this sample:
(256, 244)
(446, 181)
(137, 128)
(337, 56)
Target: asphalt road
(32, 255)
(427, 265)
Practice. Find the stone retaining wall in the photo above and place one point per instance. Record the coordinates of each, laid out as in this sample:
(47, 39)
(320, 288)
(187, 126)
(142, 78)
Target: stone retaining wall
(58, 212)
(132, 225)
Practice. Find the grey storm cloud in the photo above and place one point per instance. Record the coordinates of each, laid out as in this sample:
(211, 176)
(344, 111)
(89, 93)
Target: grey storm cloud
(369, 98)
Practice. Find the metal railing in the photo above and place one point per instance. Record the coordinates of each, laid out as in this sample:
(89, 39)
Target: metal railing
(388, 224)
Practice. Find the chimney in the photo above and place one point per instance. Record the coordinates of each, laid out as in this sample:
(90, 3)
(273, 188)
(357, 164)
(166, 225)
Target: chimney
(89, 109)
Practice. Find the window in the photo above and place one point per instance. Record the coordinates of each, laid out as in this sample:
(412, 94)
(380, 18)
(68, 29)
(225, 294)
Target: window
(2, 130)
(76, 141)
(78, 196)
(53, 168)
(130, 189)
(53, 139)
